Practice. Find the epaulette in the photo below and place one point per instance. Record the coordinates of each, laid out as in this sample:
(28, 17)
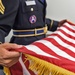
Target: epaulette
(2, 8)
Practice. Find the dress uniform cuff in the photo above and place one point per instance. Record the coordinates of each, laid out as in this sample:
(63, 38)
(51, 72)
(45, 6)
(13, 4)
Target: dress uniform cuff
(48, 22)
(51, 24)
(0, 42)
(2, 37)
(54, 25)
(1, 67)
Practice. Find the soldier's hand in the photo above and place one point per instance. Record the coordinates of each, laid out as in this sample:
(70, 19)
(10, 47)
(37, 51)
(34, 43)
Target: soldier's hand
(8, 55)
(62, 22)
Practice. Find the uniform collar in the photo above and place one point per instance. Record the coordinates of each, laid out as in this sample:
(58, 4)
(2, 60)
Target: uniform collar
(42, 1)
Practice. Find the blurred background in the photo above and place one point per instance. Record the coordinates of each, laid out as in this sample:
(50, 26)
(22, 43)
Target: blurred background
(61, 9)
(57, 10)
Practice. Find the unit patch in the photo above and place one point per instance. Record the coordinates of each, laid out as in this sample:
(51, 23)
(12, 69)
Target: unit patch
(32, 19)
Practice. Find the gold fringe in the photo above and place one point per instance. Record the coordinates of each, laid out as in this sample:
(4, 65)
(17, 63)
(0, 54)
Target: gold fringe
(2, 8)
(7, 71)
(45, 68)
(42, 67)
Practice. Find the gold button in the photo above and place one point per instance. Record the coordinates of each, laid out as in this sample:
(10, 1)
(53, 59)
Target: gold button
(32, 9)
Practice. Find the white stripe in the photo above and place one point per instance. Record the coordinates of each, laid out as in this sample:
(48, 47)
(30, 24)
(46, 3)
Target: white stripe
(56, 49)
(63, 43)
(37, 50)
(25, 71)
(65, 37)
(69, 26)
(67, 31)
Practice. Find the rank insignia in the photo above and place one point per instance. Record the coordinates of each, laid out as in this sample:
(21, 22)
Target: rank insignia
(32, 19)
(2, 8)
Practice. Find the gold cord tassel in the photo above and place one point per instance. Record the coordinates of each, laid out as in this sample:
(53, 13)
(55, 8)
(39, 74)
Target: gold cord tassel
(2, 8)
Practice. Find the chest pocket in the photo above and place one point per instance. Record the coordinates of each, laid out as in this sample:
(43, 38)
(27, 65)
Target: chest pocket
(29, 7)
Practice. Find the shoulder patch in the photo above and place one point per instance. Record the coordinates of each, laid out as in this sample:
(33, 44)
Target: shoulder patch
(2, 8)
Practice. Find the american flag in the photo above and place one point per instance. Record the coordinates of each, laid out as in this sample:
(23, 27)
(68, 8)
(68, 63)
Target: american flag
(53, 55)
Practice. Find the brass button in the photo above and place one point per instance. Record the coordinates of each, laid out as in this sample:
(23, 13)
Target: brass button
(32, 9)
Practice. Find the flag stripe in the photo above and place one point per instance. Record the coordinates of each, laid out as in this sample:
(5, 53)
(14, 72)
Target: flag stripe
(58, 48)
(64, 44)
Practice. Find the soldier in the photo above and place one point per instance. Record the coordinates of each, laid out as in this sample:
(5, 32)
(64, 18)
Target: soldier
(27, 19)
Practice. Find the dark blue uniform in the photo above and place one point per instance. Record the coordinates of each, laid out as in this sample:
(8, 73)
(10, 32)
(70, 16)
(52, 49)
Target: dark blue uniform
(24, 15)
(27, 19)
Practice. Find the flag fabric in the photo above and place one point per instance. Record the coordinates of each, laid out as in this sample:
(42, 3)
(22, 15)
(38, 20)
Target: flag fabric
(53, 55)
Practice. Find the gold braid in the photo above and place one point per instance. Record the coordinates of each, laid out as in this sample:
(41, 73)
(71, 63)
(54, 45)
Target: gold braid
(2, 8)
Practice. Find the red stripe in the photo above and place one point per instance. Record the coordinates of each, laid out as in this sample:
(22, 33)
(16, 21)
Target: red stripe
(58, 62)
(55, 43)
(62, 62)
(16, 69)
(68, 28)
(67, 34)
(73, 24)
(64, 40)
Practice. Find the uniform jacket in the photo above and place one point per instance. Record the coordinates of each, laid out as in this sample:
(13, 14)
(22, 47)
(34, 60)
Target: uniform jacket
(18, 16)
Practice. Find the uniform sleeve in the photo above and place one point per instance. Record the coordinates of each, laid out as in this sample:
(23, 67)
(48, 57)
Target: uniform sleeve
(8, 18)
(52, 24)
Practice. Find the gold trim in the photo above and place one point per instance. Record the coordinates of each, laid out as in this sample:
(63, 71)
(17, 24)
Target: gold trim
(29, 29)
(35, 30)
(7, 71)
(2, 8)
(51, 24)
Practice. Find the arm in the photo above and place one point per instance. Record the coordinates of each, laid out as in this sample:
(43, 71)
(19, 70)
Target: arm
(7, 19)
(52, 24)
